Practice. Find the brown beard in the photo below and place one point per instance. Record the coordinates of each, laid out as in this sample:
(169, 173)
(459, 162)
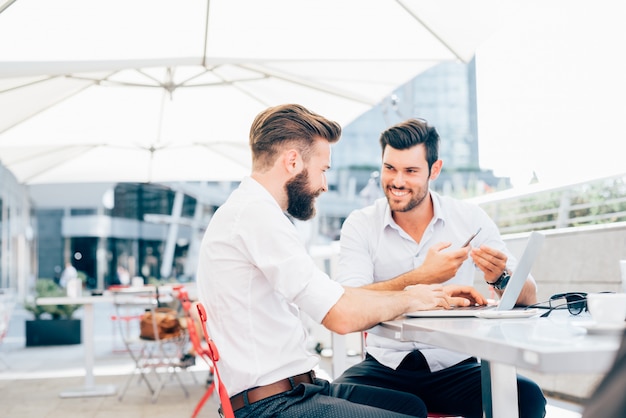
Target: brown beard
(300, 198)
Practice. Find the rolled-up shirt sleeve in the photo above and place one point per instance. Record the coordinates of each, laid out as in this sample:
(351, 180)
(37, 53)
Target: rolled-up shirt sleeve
(319, 296)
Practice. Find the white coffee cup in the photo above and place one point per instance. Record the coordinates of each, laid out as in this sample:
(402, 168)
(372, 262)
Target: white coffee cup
(607, 308)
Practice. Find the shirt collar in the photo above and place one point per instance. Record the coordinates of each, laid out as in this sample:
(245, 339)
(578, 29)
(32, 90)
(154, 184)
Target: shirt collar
(438, 211)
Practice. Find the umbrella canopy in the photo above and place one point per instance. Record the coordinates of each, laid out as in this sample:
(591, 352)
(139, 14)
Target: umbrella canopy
(165, 90)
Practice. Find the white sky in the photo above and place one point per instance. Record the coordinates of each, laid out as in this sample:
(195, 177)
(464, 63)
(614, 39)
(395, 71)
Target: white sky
(552, 93)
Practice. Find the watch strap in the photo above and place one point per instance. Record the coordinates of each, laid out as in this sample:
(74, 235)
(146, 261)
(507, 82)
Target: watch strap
(502, 281)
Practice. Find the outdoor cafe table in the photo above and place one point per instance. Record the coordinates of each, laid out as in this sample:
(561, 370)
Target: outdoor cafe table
(89, 388)
(557, 344)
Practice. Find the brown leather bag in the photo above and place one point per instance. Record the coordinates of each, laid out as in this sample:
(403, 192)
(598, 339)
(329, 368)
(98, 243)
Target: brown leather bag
(167, 324)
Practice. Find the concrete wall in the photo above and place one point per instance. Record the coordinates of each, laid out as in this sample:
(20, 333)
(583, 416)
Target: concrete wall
(582, 259)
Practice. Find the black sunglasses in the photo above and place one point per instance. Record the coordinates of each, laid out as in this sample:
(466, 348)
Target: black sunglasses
(575, 303)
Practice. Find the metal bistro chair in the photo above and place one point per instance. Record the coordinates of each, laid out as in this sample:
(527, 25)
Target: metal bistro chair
(130, 319)
(194, 328)
(210, 354)
(157, 359)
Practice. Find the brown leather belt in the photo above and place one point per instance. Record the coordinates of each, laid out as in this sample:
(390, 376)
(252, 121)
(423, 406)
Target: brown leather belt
(261, 392)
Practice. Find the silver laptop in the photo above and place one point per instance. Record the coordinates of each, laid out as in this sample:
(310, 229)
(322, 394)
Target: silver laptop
(509, 297)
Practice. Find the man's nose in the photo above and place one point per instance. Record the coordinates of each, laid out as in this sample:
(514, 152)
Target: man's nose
(398, 180)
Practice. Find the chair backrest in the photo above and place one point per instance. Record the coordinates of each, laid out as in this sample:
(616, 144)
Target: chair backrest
(211, 351)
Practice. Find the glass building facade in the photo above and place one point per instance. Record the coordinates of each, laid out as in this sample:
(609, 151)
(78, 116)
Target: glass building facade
(122, 234)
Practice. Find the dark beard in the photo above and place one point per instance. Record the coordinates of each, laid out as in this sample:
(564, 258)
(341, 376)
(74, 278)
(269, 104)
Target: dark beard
(413, 202)
(300, 198)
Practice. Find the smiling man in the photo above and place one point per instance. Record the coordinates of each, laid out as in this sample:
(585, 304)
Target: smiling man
(416, 236)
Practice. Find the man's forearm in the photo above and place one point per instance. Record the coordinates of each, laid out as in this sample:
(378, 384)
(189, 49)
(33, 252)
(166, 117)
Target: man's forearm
(360, 309)
(400, 282)
(528, 295)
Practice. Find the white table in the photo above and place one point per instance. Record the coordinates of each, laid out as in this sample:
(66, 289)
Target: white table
(548, 345)
(89, 388)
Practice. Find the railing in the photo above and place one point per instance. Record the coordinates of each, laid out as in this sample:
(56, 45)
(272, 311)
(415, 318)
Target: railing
(539, 207)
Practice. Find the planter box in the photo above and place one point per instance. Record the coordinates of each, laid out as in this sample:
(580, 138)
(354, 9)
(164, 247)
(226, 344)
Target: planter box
(52, 332)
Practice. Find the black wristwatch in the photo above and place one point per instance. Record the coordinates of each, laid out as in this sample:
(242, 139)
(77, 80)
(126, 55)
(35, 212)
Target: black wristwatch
(502, 281)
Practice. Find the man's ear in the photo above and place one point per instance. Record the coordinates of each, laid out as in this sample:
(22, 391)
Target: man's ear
(435, 170)
(292, 161)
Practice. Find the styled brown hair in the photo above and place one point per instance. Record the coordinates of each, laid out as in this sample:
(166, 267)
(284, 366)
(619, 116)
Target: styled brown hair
(288, 125)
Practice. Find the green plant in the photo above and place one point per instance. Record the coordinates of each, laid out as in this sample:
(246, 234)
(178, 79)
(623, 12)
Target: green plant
(48, 288)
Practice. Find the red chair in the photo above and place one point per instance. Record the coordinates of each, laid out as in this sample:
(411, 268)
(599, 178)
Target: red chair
(210, 354)
(195, 315)
(193, 327)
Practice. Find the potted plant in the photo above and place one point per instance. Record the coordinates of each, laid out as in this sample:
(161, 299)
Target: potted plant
(53, 324)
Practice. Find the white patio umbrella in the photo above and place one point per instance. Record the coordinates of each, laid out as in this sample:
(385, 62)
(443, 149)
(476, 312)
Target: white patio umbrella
(165, 90)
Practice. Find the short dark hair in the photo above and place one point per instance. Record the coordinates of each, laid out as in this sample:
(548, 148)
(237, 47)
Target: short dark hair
(288, 123)
(413, 132)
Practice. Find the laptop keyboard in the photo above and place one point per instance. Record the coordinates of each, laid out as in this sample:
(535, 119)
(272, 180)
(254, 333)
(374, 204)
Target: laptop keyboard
(473, 307)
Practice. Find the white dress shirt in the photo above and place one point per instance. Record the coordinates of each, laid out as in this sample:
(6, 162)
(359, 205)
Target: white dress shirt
(254, 275)
(374, 249)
